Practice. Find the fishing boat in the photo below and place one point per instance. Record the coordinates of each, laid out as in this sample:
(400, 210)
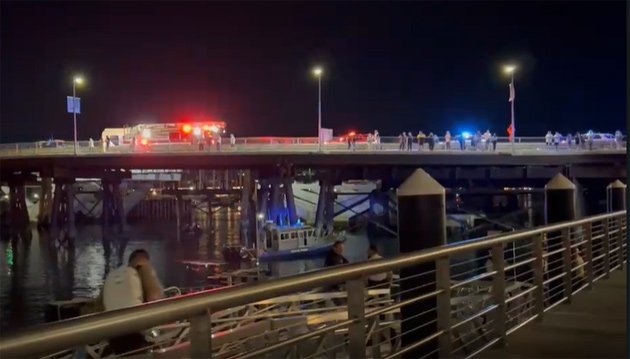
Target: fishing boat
(293, 242)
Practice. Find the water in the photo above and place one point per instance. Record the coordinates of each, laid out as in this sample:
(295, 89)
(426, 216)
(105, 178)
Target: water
(35, 272)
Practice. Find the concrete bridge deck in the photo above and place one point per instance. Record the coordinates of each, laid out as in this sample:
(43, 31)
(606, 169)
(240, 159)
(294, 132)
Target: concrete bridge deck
(594, 325)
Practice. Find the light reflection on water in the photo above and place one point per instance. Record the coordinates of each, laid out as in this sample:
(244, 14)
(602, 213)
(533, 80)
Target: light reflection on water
(37, 272)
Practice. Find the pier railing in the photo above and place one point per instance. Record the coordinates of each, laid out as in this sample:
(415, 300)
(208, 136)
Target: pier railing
(479, 291)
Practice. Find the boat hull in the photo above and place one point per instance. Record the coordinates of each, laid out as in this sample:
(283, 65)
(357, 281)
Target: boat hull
(298, 253)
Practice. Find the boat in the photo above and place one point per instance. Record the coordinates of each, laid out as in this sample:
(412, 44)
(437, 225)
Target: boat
(293, 242)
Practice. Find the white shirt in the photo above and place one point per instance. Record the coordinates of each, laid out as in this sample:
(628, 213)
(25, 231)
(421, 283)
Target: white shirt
(379, 277)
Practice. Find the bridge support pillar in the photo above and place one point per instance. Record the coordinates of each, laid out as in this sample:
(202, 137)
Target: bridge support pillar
(113, 207)
(325, 215)
(421, 225)
(560, 204)
(248, 209)
(18, 213)
(62, 218)
(290, 200)
(45, 203)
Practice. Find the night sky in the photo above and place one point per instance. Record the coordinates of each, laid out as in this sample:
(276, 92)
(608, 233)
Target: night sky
(427, 66)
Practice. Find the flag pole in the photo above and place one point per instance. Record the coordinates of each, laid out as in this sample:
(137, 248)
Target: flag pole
(513, 95)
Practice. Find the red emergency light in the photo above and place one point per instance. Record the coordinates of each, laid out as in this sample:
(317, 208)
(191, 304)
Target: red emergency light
(187, 128)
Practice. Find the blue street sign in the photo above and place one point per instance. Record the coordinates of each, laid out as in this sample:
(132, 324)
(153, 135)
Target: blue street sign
(72, 105)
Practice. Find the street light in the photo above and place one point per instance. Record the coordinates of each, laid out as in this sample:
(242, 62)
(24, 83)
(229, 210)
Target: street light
(77, 80)
(510, 69)
(318, 71)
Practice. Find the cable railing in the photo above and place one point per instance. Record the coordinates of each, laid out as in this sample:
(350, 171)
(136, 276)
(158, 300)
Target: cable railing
(473, 294)
(522, 145)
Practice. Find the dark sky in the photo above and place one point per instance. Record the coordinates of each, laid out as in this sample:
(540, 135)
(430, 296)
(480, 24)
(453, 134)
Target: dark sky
(389, 66)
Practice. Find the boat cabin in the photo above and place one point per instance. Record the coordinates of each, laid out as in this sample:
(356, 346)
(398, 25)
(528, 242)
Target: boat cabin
(287, 238)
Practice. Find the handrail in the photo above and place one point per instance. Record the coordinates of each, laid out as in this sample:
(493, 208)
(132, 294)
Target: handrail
(93, 328)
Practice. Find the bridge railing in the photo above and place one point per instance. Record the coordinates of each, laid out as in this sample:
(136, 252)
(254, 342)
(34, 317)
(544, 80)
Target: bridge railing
(475, 293)
(254, 144)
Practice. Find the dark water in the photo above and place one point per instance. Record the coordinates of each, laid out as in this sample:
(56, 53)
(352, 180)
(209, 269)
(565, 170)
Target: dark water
(33, 273)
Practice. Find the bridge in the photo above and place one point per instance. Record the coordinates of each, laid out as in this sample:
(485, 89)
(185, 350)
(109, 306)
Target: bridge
(445, 303)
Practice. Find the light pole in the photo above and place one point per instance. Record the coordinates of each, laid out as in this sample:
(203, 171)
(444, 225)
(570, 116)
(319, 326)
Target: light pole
(510, 71)
(77, 80)
(318, 71)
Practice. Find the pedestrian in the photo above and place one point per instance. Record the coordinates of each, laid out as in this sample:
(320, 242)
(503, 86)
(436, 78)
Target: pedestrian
(421, 140)
(201, 143)
(548, 139)
(409, 141)
(494, 139)
(128, 286)
(578, 140)
(133, 143)
(369, 141)
(377, 140)
(218, 142)
(108, 142)
(349, 141)
(569, 140)
(462, 142)
(379, 279)
(429, 141)
(354, 142)
(589, 138)
(91, 144)
(232, 140)
(557, 137)
(402, 141)
(447, 140)
(486, 139)
(618, 139)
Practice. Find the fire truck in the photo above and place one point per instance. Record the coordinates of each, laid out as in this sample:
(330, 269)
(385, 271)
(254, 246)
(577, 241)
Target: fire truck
(163, 133)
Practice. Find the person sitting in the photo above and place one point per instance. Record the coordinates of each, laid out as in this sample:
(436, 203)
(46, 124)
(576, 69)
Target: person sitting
(127, 286)
(335, 256)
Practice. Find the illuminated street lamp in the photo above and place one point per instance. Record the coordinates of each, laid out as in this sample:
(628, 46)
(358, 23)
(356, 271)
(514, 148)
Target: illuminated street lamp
(318, 71)
(77, 80)
(509, 69)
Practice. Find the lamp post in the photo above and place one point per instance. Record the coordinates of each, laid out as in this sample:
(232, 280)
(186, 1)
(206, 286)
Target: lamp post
(318, 71)
(77, 80)
(510, 71)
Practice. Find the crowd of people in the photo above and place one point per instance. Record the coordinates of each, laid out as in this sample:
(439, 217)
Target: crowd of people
(581, 141)
(478, 141)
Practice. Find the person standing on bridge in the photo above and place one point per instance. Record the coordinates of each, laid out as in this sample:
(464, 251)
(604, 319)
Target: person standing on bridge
(409, 141)
(618, 139)
(494, 139)
(218, 142)
(91, 144)
(402, 141)
(431, 141)
(232, 140)
(377, 140)
(548, 139)
(447, 140)
(569, 141)
(557, 137)
(421, 139)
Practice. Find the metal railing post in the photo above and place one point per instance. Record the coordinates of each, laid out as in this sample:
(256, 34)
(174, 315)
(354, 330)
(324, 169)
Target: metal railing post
(590, 265)
(498, 293)
(619, 242)
(606, 246)
(443, 283)
(567, 256)
(539, 275)
(200, 336)
(356, 312)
